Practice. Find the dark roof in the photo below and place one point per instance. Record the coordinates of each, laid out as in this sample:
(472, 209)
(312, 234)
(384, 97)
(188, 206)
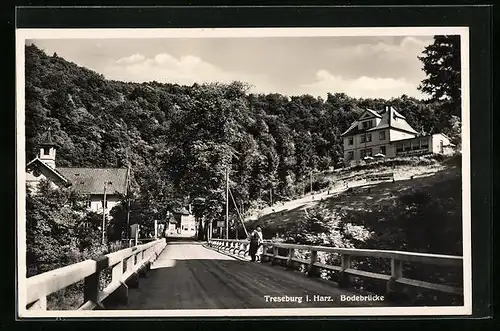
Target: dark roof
(353, 129)
(397, 122)
(47, 140)
(182, 211)
(388, 119)
(371, 111)
(37, 162)
(91, 180)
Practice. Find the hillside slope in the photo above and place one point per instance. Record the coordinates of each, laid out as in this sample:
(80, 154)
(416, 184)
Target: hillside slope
(409, 214)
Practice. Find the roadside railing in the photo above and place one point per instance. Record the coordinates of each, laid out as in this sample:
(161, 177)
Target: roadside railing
(126, 265)
(239, 247)
(346, 270)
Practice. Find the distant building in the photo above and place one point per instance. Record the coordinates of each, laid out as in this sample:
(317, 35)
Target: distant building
(388, 134)
(181, 224)
(95, 183)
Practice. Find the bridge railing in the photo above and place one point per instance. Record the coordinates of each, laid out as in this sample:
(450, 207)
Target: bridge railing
(126, 265)
(346, 269)
(238, 247)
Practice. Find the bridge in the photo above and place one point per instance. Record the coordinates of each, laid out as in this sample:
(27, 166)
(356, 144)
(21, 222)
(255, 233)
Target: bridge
(218, 275)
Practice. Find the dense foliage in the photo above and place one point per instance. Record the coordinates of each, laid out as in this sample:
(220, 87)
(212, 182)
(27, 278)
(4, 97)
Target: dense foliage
(179, 140)
(59, 230)
(441, 62)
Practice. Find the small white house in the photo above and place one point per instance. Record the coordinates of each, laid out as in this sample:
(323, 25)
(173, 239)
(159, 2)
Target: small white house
(181, 224)
(102, 186)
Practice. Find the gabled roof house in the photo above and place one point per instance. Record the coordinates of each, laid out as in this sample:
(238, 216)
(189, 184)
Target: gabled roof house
(102, 186)
(388, 134)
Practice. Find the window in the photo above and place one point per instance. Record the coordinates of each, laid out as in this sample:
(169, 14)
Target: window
(350, 155)
(363, 138)
(368, 137)
(406, 146)
(350, 141)
(382, 150)
(366, 152)
(46, 151)
(367, 124)
(381, 135)
(88, 203)
(399, 148)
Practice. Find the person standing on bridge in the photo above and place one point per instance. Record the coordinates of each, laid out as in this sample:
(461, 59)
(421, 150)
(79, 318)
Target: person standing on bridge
(255, 243)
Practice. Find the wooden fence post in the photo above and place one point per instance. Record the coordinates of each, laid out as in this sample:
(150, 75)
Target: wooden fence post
(312, 271)
(396, 273)
(143, 264)
(275, 253)
(345, 264)
(120, 295)
(92, 282)
(289, 262)
(133, 281)
(245, 249)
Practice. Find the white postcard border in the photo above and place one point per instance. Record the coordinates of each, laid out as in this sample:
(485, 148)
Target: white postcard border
(24, 34)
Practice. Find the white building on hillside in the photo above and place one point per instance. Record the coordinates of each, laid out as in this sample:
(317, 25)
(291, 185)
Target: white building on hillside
(388, 134)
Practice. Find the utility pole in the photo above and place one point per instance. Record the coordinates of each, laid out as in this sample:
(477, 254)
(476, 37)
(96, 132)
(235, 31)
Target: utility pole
(210, 231)
(104, 215)
(311, 181)
(128, 194)
(227, 202)
(239, 214)
(128, 219)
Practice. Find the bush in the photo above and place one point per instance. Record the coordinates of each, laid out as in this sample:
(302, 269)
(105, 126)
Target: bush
(320, 184)
(59, 232)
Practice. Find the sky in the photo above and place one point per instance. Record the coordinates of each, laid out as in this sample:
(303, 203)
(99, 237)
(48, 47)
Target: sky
(360, 66)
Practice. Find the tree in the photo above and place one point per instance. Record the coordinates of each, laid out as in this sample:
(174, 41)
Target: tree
(59, 230)
(441, 62)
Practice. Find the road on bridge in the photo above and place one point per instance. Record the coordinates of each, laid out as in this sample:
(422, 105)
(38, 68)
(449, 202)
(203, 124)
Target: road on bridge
(190, 276)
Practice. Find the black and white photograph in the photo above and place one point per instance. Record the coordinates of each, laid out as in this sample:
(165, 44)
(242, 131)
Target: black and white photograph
(243, 172)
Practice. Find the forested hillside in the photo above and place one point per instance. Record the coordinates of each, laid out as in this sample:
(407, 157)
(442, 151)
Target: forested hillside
(180, 139)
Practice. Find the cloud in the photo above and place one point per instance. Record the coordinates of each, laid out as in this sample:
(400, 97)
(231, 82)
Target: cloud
(130, 59)
(407, 46)
(381, 58)
(165, 68)
(380, 67)
(360, 87)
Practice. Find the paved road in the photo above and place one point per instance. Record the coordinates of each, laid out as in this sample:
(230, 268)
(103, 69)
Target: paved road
(189, 276)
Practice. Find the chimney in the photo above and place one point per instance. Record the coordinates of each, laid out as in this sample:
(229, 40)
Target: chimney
(389, 114)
